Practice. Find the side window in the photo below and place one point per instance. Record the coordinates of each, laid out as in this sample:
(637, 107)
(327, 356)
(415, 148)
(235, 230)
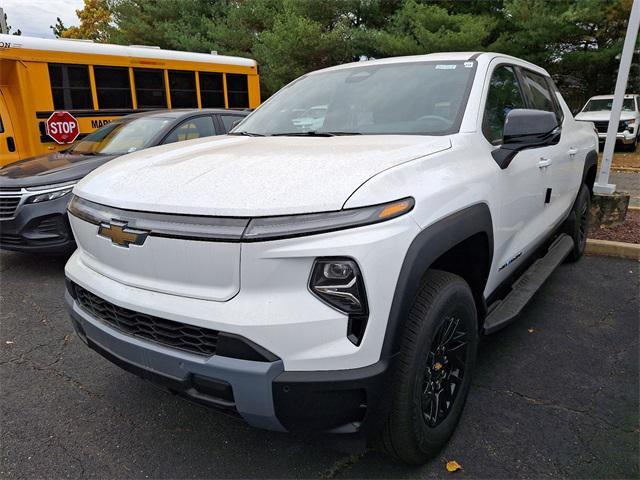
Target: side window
(237, 90)
(182, 86)
(113, 87)
(503, 96)
(211, 90)
(150, 91)
(539, 95)
(70, 87)
(193, 128)
(229, 120)
(1, 126)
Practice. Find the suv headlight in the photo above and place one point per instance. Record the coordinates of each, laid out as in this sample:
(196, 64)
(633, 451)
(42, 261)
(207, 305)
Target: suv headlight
(49, 192)
(338, 283)
(629, 124)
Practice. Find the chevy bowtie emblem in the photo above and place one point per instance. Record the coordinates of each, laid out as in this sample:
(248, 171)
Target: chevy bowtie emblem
(121, 235)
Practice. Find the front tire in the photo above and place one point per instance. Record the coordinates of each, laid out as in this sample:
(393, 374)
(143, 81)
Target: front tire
(579, 226)
(434, 369)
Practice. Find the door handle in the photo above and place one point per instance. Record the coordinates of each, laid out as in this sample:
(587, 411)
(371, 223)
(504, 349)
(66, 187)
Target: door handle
(544, 162)
(572, 151)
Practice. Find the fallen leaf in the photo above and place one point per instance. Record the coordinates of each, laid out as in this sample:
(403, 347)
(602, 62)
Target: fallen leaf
(530, 330)
(9, 342)
(453, 466)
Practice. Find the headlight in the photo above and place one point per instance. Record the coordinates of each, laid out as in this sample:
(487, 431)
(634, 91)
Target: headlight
(43, 197)
(271, 228)
(338, 283)
(240, 229)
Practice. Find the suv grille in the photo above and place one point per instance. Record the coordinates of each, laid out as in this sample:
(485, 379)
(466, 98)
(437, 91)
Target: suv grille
(602, 126)
(8, 206)
(201, 341)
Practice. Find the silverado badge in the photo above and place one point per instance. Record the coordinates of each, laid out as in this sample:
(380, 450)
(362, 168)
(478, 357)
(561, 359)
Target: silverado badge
(121, 235)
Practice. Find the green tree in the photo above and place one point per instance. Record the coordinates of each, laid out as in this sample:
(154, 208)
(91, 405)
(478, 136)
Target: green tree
(58, 28)
(9, 28)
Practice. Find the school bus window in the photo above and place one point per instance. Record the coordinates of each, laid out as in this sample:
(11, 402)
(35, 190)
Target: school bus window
(182, 86)
(70, 87)
(149, 88)
(211, 90)
(237, 90)
(1, 126)
(113, 87)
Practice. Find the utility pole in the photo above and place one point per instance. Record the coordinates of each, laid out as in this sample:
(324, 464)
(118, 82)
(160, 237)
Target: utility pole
(602, 186)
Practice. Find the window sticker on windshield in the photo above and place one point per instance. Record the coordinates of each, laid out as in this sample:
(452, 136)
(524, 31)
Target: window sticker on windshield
(446, 67)
(468, 64)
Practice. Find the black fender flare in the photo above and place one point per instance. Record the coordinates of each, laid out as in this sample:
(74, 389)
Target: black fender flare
(590, 160)
(427, 247)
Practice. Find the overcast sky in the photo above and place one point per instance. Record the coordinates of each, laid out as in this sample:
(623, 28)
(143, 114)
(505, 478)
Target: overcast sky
(33, 17)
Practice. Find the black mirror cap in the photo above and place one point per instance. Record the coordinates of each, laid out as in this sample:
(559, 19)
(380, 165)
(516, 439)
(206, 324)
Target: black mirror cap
(525, 128)
(524, 125)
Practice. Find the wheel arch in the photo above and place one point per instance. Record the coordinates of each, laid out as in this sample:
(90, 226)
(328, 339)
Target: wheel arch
(449, 244)
(590, 169)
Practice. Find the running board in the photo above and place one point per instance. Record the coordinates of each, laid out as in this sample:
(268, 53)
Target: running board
(506, 310)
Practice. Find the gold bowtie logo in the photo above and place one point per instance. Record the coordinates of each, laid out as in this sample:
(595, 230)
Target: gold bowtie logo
(120, 235)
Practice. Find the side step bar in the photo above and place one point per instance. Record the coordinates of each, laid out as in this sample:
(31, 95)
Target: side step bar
(506, 310)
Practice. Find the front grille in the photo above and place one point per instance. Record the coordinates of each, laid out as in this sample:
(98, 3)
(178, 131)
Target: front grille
(201, 341)
(8, 206)
(10, 239)
(602, 126)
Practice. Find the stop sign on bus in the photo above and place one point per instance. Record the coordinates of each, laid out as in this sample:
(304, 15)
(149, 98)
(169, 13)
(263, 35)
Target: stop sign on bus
(62, 127)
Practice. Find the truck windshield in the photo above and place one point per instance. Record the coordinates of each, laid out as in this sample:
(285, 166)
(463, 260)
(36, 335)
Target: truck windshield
(604, 105)
(120, 137)
(418, 98)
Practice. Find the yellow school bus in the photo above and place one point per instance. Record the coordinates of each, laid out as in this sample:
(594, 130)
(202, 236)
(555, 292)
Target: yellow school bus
(97, 83)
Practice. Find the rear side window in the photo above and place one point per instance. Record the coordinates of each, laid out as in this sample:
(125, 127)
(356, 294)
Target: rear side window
(193, 128)
(70, 87)
(504, 95)
(237, 90)
(229, 120)
(539, 93)
(150, 91)
(211, 90)
(182, 86)
(113, 87)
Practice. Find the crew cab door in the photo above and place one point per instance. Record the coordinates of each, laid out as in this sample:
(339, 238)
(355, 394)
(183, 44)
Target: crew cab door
(8, 147)
(563, 173)
(520, 187)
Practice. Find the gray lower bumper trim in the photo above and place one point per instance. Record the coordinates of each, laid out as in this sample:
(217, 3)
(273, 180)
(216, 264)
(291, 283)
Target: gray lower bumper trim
(251, 381)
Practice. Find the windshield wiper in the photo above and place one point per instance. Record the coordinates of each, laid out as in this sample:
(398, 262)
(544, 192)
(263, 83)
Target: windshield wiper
(313, 133)
(247, 134)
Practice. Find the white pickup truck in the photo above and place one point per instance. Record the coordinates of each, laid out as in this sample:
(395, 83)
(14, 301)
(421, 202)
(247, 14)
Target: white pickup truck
(339, 278)
(598, 110)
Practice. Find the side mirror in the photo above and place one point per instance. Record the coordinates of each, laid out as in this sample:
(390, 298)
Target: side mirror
(524, 129)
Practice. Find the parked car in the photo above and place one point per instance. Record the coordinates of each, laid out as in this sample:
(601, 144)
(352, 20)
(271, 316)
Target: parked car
(598, 110)
(34, 193)
(338, 279)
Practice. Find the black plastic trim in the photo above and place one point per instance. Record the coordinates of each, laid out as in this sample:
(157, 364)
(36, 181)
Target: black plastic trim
(337, 401)
(428, 245)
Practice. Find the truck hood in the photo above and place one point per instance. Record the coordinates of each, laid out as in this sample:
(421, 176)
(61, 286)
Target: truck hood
(49, 169)
(602, 116)
(251, 176)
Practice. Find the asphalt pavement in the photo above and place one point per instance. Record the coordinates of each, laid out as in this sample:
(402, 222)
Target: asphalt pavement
(628, 182)
(555, 395)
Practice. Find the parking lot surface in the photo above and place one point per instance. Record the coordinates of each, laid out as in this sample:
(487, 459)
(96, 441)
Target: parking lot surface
(555, 395)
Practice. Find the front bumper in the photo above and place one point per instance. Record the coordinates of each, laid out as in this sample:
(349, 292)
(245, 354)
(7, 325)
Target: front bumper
(625, 137)
(38, 228)
(262, 393)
